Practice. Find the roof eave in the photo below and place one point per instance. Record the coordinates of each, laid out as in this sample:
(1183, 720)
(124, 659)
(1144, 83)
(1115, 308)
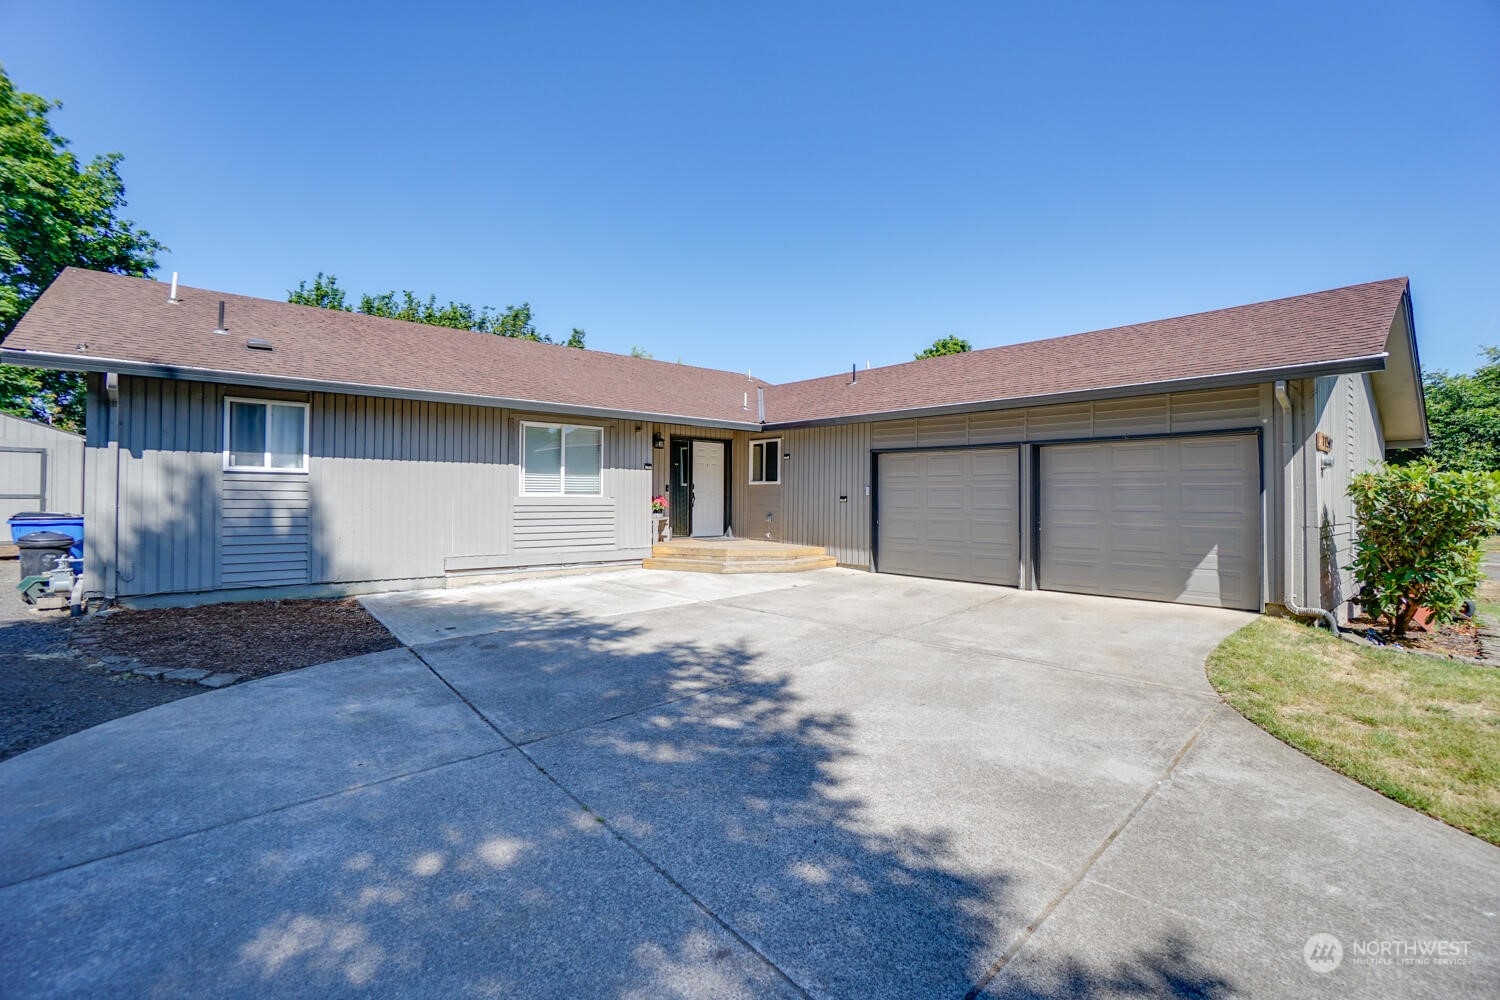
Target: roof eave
(1399, 392)
(1369, 363)
(74, 362)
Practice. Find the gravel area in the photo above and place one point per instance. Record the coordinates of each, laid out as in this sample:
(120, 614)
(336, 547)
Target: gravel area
(53, 680)
(48, 688)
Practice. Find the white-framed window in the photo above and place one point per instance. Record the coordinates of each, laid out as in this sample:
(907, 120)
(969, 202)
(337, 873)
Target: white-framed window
(765, 462)
(561, 460)
(267, 435)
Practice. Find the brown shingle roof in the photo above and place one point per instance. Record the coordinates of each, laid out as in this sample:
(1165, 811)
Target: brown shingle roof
(129, 319)
(98, 320)
(1304, 330)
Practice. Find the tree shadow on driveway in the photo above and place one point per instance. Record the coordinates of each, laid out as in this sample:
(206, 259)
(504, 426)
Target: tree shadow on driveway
(691, 832)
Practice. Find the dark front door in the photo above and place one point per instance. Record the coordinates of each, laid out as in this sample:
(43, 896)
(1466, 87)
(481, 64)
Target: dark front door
(679, 504)
(691, 458)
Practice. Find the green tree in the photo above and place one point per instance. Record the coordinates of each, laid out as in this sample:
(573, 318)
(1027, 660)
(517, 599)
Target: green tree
(1419, 539)
(947, 345)
(639, 352)
(1463, 415)
(512, 321)
(54, 213)
(325, 293)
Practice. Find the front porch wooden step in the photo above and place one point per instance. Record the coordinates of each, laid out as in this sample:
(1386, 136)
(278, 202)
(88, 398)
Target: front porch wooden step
(749, 566)
(736, 555)
(737, 549)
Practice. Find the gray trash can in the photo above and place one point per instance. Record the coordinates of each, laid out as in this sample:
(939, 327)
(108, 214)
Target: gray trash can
(40, 551)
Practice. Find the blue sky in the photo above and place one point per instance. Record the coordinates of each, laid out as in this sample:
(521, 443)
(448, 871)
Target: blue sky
(793, 188)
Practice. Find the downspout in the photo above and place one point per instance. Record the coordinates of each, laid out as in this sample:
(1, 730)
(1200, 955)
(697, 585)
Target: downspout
(112, 394)
(1289, 518)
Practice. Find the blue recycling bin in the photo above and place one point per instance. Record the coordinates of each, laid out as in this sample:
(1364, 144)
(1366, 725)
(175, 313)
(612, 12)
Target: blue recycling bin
(68, 524)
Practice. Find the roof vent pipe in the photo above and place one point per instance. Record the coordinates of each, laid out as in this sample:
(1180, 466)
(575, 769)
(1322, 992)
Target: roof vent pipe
(221, 328)
(1289, 518)
(745, 404)
(853, 374)
(172, 296)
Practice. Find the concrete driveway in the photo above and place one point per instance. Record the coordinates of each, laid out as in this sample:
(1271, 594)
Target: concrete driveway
(660, 785)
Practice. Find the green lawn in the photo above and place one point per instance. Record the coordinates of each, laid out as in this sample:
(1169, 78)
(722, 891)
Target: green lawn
(1423, 730)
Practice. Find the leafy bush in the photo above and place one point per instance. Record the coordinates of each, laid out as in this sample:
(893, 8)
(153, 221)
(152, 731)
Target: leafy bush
(1420, 536)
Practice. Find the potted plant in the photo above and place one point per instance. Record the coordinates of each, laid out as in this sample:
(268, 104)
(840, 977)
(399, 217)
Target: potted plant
(663, 532)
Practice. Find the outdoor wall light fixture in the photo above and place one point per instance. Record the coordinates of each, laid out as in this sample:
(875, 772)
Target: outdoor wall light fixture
(657, 441)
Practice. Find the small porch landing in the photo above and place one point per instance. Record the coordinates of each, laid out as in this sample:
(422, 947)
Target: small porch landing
(736, 555)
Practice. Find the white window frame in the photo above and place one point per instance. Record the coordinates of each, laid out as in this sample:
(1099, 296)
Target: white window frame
(562, 468)
(266, 456)
(765, 442)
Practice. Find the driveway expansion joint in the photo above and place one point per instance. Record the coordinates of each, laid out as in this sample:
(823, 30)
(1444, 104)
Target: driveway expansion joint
(235, 820)
(619, 835)
(1209, 694)
(1062, 894)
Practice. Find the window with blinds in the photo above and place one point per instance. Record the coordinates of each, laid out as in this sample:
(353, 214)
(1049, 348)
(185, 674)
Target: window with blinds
(265, 435)
(562, 460)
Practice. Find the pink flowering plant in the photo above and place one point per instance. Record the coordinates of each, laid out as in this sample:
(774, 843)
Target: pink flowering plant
(658, 505)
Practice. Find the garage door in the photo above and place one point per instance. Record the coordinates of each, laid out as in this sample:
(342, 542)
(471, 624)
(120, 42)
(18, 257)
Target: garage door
(954, 515)
(1168, 519)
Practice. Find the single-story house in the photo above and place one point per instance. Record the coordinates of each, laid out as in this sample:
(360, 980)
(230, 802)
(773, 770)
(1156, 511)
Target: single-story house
(238, 443)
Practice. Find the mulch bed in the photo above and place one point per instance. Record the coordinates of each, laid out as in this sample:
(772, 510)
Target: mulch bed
(1456, 639)
(252, 639)
(54, 674)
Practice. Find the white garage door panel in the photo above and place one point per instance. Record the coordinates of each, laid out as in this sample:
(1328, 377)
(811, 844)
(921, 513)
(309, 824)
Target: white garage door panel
(1167, 520)
(961, 523)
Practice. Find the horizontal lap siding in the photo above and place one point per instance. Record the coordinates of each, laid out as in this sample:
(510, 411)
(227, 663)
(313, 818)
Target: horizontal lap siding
(264, 531)
(1161, 413)
(540, 524)
(620, 520)
(394, 489)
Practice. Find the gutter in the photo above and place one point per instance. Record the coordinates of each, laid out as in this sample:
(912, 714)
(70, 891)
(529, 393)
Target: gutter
(1256, 376)
(1289, 516)
(73, 362)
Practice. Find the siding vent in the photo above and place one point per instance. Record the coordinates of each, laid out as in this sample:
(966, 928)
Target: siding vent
(259, 345)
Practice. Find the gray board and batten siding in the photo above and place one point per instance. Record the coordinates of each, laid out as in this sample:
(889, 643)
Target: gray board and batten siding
(406, 493)
(1344, 408)
(41, 469)
(397, 493)
(832, 496)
